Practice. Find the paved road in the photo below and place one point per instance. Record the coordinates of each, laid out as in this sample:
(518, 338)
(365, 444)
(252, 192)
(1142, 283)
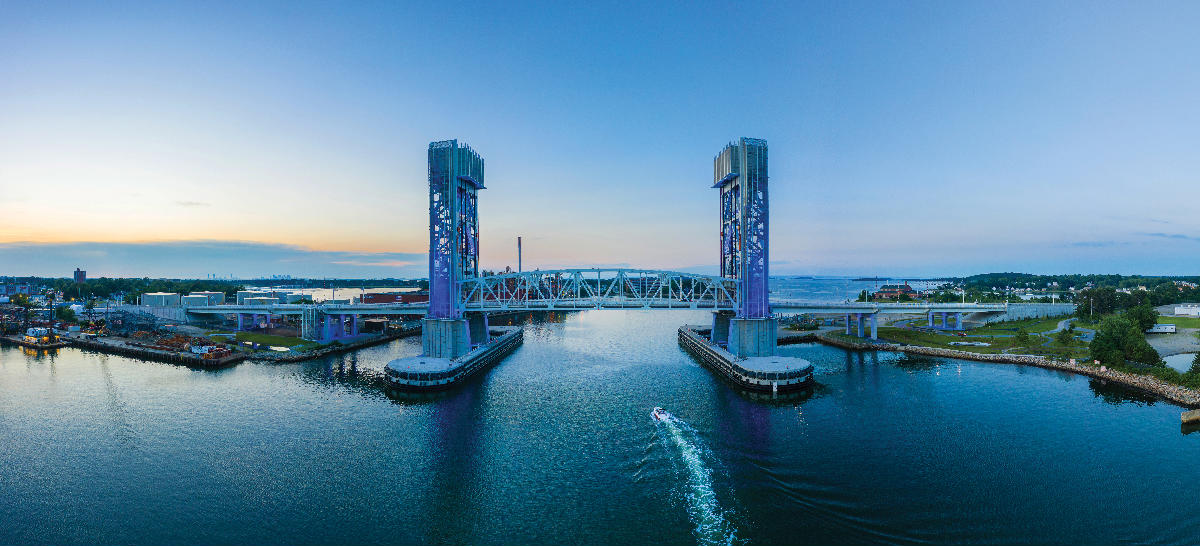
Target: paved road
(1083, 333)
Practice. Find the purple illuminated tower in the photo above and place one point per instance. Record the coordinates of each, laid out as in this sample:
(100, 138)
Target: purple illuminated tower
(455, 178)
(740, 173)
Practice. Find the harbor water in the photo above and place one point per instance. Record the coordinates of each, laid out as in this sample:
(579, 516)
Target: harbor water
(556, 445)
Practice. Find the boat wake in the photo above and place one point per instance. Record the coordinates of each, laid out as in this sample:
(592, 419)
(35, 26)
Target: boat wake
(704, 510)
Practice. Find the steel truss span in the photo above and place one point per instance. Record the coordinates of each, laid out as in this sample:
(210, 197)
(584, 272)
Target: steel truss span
(565, 289)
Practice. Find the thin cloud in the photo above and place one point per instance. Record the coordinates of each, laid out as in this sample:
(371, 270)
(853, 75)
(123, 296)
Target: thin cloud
(1094, 244)
(1138, 219)
(193, 204)
(1174, 236)
(383, 263)
(197, 259)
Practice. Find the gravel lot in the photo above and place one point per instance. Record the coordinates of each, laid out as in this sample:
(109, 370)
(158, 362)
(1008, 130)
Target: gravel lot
(1183, 341)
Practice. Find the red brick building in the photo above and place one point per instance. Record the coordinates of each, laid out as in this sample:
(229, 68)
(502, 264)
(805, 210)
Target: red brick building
(421, 296)
(893, 291)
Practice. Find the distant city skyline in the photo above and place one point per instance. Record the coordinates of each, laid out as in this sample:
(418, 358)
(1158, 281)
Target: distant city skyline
(289, 138)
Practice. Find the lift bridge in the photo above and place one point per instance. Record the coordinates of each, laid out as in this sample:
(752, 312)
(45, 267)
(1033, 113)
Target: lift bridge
(460, 298)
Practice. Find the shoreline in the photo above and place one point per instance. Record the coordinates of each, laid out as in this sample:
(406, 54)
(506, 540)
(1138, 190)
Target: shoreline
(326, 351)
(195, 361)
(35, 346)
(157, 355)
(1175, 394)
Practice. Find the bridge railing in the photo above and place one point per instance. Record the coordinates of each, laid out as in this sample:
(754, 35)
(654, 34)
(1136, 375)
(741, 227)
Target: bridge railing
(912, 305)
(599, 288)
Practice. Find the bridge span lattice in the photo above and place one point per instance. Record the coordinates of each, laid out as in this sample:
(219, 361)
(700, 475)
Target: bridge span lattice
(566, 289)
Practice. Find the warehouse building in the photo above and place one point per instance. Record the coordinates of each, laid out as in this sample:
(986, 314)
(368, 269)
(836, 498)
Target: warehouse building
(161, 299)
(214, 298)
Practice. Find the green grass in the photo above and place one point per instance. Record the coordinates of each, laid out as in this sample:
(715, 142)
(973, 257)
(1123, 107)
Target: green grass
(1030, 325)
(278, 341)
(1181, 322)
(1076, 349)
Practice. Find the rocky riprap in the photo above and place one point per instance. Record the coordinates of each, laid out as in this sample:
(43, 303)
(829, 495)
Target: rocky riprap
(1173, 393)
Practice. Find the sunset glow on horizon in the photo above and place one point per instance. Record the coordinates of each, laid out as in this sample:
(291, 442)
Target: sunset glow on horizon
(994, 142)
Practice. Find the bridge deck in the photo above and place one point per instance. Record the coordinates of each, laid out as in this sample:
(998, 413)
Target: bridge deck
(564, 304)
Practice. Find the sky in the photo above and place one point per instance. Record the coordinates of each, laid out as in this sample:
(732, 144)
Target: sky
(906, 138)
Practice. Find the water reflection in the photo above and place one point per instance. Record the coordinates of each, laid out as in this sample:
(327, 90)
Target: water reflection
(912, 362)
(1115, 393)
(455, 429)
(118, 410)
(343, 371)
(1188, 428)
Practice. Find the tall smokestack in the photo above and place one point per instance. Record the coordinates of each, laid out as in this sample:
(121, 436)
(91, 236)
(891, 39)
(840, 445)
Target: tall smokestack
(518, 254)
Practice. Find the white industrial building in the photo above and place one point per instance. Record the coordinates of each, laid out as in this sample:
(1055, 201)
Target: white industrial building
(214, 298)
(161, 299)
(195, 300)
(1188, 310)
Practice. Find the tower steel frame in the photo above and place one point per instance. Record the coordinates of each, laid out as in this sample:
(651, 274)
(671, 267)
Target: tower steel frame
(455, 178)
(740, 173)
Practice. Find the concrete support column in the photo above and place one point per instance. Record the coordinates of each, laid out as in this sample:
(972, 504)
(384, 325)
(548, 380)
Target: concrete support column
(478, 324)
(720, 328)
(958, 321)
(847, 323)
(445, 338)
(945, 321)
(353, 325)
(241, 321)
(874, 325)
(931, 319)
(753, 337)
(859, 319)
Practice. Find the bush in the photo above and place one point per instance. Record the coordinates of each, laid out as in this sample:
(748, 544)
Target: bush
(1022, 336)
(1144, 316)
(1118, 339)
(1066, 335)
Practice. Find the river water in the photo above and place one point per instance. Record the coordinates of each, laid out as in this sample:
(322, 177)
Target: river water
(555, 445)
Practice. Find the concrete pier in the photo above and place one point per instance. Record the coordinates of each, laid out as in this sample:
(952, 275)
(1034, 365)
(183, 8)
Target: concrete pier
(757, 373)
(426, 372)
(753, 337)
(445, 338)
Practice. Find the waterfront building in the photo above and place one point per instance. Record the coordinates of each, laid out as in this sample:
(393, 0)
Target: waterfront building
(214, 298)
(194, 300)
(894, 291)
(1188, 310)
(244, 295)
(395, 297)
(161, 299)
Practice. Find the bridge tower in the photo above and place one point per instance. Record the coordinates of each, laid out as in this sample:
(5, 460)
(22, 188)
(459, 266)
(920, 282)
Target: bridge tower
(455, 178)
(740, 174)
